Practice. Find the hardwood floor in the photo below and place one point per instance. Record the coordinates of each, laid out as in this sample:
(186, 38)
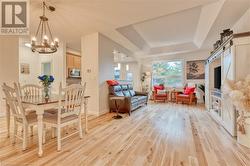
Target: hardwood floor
(159, 134)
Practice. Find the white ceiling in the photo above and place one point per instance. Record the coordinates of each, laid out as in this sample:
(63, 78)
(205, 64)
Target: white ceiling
(171, 29)
(146, 27)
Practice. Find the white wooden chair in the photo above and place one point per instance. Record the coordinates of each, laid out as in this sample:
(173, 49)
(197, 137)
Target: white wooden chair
(68, 111)
(13, 98)
(30, 90)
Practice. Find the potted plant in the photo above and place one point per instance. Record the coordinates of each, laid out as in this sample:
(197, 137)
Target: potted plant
(202, 87)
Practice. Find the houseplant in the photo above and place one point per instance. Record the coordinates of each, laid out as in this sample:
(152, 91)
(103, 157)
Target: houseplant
(46, 80)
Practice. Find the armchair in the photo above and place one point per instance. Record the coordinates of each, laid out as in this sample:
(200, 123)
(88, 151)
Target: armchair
(188, 96)
(160, 94)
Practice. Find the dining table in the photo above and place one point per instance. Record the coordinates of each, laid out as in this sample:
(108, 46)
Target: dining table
(39, 104)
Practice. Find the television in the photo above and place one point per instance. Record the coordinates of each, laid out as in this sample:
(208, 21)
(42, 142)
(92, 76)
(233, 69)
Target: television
(217, 77)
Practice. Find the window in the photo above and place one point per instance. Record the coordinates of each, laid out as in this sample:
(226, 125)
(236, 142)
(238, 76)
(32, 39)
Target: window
(46, 68)
(117, 72)
(168, 73)
(129, 76)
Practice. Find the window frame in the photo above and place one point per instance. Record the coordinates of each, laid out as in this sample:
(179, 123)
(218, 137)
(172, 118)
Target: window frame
(167, 61)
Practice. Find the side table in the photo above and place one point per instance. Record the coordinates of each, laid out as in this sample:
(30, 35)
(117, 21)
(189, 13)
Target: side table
(173, 94)
(118, 100)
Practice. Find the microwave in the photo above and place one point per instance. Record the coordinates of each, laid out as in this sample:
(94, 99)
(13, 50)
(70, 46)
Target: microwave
(74, 73)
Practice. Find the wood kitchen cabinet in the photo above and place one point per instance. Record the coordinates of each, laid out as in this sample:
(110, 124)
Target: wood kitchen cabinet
(73, 61)
(77, 62)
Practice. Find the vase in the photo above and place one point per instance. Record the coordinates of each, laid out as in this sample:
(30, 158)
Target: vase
(244, 139)
(46, 92)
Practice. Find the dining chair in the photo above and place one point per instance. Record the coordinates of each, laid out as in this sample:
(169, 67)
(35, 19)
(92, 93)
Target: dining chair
(13, 98)
(68, 111)
(30, 90)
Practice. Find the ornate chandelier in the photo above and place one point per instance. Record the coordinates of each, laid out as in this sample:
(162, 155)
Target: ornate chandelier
(43, 42)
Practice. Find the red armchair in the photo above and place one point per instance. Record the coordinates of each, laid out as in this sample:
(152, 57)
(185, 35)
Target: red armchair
(159, 94)
(187, 97)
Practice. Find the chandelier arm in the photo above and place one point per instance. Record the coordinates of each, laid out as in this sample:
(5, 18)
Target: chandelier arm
(50, 31)
(45, 33)
(42, 31)
(38, 28)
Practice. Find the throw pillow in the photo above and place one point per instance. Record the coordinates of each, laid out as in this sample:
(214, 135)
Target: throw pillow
(112, 82)
(189, 90)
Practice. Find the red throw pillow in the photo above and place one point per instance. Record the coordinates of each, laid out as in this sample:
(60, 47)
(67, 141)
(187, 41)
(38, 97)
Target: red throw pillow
(158, 87)
(189, 90)
(112, 82)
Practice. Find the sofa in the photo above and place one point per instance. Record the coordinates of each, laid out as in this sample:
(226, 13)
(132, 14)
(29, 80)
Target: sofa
(132, 99)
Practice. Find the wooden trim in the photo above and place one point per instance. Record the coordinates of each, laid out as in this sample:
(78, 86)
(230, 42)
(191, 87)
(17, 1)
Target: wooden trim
(237, 35)
(244, 34)
(69, 53)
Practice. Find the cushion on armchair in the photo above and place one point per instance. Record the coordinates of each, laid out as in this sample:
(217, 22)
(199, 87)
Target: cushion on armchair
(161, 92)
(189, 90)
(158, 87)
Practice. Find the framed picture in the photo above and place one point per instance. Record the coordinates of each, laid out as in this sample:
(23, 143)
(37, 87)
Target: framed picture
(25, 68)
(195, 70)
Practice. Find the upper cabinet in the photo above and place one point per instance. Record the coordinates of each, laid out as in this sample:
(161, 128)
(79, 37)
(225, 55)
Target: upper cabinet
(73, 61)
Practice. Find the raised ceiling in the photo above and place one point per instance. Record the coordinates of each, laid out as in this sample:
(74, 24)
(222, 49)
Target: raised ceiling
(145, 27)
(169, 30)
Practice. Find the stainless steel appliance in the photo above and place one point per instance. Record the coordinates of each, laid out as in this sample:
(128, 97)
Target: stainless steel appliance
(74, 73)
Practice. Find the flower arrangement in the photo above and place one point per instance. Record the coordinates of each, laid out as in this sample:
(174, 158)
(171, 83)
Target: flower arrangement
(46, 81)
(239, 93)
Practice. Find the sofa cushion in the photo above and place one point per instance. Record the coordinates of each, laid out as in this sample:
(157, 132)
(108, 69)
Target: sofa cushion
(142, 98)
(131, 91)
(126, 93)
(116, 90)
(124, 87)
(134, 99)
(125, 90)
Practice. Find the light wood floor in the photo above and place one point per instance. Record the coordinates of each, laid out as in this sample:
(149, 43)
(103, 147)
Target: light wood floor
(158, 134)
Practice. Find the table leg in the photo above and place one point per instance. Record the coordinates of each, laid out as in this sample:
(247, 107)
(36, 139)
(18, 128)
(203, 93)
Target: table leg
(40, 131)
(86, 115)
(8, 118)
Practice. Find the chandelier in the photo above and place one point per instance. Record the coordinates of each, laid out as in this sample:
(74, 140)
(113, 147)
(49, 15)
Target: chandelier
(43, 42)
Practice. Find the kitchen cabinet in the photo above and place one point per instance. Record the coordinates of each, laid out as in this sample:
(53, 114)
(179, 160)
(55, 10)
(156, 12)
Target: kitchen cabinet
(73, 61)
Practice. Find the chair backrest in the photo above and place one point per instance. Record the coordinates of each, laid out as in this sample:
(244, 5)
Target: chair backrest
(71, 100)
(14, 100)
(30, 90)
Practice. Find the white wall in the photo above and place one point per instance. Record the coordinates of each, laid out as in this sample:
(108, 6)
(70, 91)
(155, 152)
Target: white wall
(243, 24)
(90, 70)
(97, 68)
(9, 47)
(35, 60)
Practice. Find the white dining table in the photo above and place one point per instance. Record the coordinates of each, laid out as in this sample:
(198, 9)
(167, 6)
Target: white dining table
(40, 104)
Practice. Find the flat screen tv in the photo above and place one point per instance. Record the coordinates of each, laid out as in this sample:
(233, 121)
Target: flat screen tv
(217, 77)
